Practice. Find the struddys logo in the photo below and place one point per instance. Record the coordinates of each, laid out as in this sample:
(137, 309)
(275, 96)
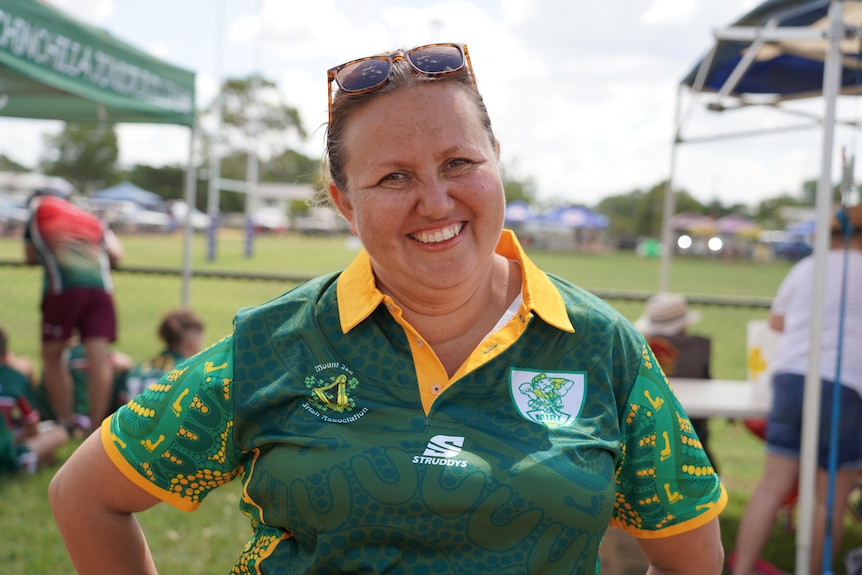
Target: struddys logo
(330, 397)
(552, 399)
(442, 450)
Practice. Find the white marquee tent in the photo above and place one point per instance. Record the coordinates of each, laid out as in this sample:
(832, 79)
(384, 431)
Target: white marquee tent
(785, 50)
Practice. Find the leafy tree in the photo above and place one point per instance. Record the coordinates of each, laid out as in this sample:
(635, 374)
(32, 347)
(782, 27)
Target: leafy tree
(9, 165)
(291, 166)
(520, 191)
(685, 202)
(717, 209)
(279, 129)
(809, 193)
(85, 154)
(639, 213)
(254, 113)
(166, 181)
(515, 189)
(768, 211)
(621, 209)
(650, 210)
(299, 207)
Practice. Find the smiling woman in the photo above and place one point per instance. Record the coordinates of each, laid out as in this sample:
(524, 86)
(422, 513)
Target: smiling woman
(440, 406)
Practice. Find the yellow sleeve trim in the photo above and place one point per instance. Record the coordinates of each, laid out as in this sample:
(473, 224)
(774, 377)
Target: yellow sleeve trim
(713, 511)
(112, 444)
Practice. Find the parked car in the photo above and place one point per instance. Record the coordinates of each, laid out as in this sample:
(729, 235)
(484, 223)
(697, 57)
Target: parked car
(200, 220)
(269, 219)
(127, 216)
(320, 221)
(13, 213)
(793, 251)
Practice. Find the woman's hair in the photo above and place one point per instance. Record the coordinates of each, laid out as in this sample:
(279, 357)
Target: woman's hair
(176, 324)
(401, 76)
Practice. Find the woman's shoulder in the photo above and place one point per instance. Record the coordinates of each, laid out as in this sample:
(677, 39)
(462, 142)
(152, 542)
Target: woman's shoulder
(315, 292)
(581, 303)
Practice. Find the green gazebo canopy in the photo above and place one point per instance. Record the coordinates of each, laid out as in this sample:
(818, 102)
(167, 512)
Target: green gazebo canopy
(55, 67)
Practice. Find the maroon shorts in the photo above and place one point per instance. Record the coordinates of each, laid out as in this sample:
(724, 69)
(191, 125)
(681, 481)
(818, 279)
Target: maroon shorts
(88, 312)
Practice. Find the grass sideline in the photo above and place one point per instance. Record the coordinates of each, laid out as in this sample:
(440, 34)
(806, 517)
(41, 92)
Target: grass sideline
(297, 254)
(209, 540)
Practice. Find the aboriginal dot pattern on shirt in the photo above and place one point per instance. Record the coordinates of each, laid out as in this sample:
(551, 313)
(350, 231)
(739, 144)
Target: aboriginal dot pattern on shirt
(344, 473)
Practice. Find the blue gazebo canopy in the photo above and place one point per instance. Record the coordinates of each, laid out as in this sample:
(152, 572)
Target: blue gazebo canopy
(127, 191)
(518, 212)
(786, 69)
(575, 217)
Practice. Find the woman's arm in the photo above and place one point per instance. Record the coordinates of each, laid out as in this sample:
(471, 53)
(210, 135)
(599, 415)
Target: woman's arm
(776, 321)
(93, 504)
(113, 248)
(696, 552)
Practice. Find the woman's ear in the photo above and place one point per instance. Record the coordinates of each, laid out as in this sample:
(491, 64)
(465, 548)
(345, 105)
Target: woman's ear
(342, 202)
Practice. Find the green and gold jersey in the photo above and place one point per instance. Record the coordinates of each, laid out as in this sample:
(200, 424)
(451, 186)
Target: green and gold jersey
(358, 454)
(70, 242)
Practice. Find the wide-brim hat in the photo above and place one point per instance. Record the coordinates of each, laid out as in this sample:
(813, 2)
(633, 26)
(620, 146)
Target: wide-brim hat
(666, 314)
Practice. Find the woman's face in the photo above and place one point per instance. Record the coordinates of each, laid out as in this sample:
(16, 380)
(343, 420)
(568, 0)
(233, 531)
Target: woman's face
(424, 191)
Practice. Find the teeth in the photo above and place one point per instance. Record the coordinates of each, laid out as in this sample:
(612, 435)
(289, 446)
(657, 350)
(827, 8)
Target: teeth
(438, 236)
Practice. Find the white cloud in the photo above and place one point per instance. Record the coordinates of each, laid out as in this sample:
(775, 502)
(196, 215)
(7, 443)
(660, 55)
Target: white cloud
(95, 12)
(668, 12)
(582, 95)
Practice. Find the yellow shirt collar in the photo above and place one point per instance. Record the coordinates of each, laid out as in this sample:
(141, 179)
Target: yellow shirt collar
(358, 295)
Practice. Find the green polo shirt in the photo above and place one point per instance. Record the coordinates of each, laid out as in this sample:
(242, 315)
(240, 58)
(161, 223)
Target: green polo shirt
(358, 453)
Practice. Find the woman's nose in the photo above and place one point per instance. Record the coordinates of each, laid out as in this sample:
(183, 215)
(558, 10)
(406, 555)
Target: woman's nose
(435, 198)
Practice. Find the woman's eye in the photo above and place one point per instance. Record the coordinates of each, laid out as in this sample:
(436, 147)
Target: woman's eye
(457, 163)
(395, 179)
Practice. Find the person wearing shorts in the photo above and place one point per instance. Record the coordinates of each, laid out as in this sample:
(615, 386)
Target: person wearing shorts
(784, 424)
(76, 251)
(841, 330)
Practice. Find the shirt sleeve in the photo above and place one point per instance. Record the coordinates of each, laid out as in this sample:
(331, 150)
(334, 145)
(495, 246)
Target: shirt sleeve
(788, 285)
(175, 439)
(666, 484)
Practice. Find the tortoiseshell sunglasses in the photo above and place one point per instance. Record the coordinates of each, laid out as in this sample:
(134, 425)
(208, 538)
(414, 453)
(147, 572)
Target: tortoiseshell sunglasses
(367, 74)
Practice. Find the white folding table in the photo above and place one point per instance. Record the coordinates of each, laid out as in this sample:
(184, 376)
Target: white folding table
(721, 398)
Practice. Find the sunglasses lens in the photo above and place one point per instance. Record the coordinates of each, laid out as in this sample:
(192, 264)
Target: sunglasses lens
(363, 74)
(437, 59)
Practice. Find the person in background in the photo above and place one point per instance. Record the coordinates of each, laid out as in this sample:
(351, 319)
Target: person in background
(439, 406)
(79, 369)
(77, 251)
(664, 323)
(182, 333)
(790, 314)
(24, 443)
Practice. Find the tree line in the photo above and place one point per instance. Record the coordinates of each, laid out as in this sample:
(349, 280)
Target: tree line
(255, 116)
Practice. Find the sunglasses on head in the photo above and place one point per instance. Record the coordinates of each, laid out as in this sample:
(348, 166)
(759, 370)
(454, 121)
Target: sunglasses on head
(368, 74)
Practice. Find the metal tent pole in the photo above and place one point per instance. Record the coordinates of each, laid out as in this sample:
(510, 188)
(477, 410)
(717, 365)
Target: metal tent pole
(188, 236)
(669, 205)
(811, 396)
(213, 190)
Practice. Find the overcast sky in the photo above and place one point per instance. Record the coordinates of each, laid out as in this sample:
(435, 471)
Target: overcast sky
(582, 95)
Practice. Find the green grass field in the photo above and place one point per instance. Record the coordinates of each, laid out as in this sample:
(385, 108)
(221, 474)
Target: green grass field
(209, 540)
